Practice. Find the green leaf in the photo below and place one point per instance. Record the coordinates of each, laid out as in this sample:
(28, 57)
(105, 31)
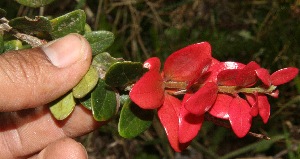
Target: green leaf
(121, 74)
(2, 13)
(134, 120)
(12, 45)
(63, 107)
(34, 3)
(87, 83)
(102, 62)
(86, 102)
(99, 40)
(35, 26)
(103, 101)
(87, 28)
(73, 22)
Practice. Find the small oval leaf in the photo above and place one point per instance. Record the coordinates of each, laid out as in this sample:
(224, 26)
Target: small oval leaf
(35, 26)
(87, 83)
(12, 45)
(103, 102)
(121, 74)
(134, 120)
(86, 102)
(73, 22)
(34, 3)
(99, 40)
(102, 62)
(63, 107)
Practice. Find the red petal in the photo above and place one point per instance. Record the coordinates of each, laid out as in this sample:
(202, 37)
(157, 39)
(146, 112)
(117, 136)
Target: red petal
(239, 116)
(168, 116)
(228, 77)
(189, 63)
(152, 64)
(189, 124)
(221, 106)
(284, 75)
(252, 99)
(263, 107)
(239, 77)
(203, 99)
(275, 94)
(264, 76)
(215, 69)
(247, 76)
(148, 92)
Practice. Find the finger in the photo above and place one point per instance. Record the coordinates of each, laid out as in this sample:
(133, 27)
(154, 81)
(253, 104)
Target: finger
(66, 148)
(30, 131)
(34, 77)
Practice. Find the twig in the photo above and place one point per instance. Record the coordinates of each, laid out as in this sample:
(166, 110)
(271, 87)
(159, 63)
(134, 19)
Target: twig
(31, 40)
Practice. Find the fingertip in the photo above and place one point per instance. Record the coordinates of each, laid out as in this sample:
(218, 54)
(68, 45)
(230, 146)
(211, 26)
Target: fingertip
(66, 148)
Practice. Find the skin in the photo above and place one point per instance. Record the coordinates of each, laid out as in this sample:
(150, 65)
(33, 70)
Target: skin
(29, 80)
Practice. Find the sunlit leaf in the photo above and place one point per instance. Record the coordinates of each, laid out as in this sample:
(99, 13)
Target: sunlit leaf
(72, 22)
(99, 40)
(12, 45)
(239, 116)
(34, 3)
(103, 102)
(148, 91)
(189, 63)
(102, 62)
(63, 107)
(169, 117)
(35, 26)
(189, 124)
(283, 75)
(87, 28)
(121, 74)
(87, 83)
(134, 120)
(203, 99)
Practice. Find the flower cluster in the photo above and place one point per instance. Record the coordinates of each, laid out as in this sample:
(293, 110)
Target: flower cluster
(192, 83)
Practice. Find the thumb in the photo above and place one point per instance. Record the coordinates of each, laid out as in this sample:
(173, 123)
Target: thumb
(34, 77)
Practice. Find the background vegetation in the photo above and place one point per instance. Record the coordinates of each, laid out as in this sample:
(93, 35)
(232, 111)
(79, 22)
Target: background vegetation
(264, 31)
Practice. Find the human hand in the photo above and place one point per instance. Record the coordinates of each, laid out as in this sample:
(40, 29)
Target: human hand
(29, 80)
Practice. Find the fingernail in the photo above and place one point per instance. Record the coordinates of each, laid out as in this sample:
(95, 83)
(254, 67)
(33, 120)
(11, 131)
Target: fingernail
(66, 51)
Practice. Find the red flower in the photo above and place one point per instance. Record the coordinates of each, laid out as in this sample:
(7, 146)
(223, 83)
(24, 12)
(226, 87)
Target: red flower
(227, 90)
(239, 111)
(181, 70)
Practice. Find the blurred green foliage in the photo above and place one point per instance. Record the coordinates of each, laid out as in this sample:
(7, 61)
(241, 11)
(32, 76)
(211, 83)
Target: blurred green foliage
(267, 32)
